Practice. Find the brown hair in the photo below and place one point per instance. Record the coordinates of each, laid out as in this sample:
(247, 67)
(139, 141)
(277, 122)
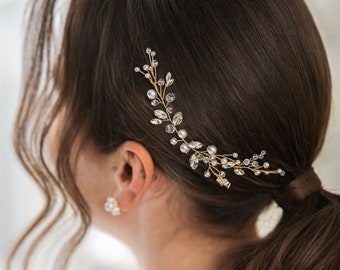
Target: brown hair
(250, 75)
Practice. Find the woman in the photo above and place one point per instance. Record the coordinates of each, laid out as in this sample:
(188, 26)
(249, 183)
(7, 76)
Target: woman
(180, 170)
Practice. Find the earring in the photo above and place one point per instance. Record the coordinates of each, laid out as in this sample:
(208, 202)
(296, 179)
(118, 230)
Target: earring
(112, 206)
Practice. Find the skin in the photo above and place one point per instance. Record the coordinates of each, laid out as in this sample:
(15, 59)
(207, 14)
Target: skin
(168, 241)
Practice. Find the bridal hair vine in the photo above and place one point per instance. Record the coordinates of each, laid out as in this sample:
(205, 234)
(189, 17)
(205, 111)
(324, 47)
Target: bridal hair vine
(160, 98)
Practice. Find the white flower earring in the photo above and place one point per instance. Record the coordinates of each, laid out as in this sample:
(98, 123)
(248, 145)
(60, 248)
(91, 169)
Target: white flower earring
(111, 206)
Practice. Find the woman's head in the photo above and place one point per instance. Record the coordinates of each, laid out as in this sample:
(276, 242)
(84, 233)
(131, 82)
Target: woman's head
(250, 75)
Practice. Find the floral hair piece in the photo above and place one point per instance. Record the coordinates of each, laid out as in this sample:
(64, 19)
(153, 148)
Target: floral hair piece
(164, 114)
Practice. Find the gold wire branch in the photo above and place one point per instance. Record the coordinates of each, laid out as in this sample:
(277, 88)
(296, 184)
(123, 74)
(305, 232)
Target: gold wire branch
(164, 113)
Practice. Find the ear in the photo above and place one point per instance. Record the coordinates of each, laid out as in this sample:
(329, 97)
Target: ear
(134, 173)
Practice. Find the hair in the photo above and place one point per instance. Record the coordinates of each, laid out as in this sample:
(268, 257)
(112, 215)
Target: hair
(250, 75)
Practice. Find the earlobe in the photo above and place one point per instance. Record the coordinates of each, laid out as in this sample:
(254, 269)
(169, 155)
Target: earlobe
(134, 175)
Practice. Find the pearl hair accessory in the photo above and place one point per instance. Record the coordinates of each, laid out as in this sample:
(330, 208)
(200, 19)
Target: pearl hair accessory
(164, 113)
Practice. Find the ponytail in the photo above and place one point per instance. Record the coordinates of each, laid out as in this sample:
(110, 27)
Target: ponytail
(307, 236)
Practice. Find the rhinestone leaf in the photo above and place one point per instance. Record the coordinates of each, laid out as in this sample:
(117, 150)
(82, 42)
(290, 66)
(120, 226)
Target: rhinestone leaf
(195, 145)
(152, 94)
(194, 161)
(156, 121)
(161, 114)
(239, 171)
(169, 82)
(170, 97)
(178, 118)
(184, 148)
(168, 76)
(170, 128)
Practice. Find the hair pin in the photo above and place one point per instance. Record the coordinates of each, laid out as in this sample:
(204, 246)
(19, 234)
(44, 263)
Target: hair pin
(164, 113)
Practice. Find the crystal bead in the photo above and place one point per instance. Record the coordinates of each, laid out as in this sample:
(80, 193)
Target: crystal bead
(263, 152)
(178, 118)
(266, 165)
(154, 102)
(161, 82)
(156, 121)
(281, 172)
(255, 157)
(148, 50)
(170, 128)
(153, 53)
(237, 162)
(146, 67)
(211, 149)
(173, 141)
(147, 75)
(239, 171)
(207, 174)
(154, 63)
(235, 155)
(184, 148)
(182, 133)
(170, 97)
(206, 160)
(169, 110)
(257, 173)
(108, 207)
(161, 114)
(255, 163)
(214, 163)
(222, 174)
(246, 162)
(137, 69)
(152, 94)
(224, 161)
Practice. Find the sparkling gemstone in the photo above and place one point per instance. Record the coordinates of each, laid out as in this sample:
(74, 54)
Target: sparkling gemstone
(239, 171)
(154, 63)
(108, 206)
(156, 121)
(178, 118)
(195, 145)
(170, 128)
(193, 162)
(154, 102)
(184, 148)
(235, 155)
(169, 110)
(266, 165)
(161, 82)
(153, 53)
(246, 162)
(207, 174)
(170, 97)
(148, 50)
(173, 141)
(137, 69)
(211, 149)
(182, 133)
(147, 75)
(255, 163)
(161, 114)
(152, 94)
(224, 161)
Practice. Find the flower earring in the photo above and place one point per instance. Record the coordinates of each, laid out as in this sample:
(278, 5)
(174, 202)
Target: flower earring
(111, 206)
